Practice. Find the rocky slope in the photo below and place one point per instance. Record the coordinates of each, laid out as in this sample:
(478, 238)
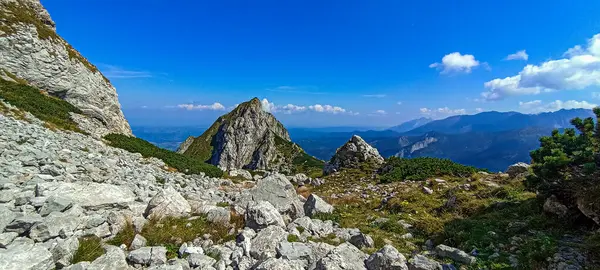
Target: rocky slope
(353, 154)
(247, 137)
(58, 189)
(32, 52)
(61, 190)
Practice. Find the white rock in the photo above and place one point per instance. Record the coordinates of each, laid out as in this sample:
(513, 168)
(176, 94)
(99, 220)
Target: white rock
(168, 202)
(89, 195)
(23, 254)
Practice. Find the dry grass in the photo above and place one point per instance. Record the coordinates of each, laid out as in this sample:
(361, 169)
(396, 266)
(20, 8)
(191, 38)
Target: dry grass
(90, 248)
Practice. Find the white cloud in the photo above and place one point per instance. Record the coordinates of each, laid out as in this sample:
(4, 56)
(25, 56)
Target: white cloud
(440, 112)
(327, 108)
(537, 106)
(399, 102)
(580, 70)
(291, 108)
(213, 107)
(268, 106)
(479, 110)
(380, 112)
(375, 96)
(529, 105)
(456, 62)
(520, 55)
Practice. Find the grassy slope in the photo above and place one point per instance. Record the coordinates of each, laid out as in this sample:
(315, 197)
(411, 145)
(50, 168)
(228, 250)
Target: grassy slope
(52, 110)
(491, 213)
(182, 163)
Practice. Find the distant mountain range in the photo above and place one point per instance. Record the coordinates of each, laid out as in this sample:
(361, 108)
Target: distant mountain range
(410, 125)
(491, 140)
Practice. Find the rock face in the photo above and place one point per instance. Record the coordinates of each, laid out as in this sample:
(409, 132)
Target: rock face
(32, 52)
(247, 137)
(352, 154)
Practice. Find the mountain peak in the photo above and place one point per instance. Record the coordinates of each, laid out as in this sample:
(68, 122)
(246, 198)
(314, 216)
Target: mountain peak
(247, 137)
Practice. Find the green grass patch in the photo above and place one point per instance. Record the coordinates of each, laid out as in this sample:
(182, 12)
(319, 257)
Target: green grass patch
(52, 110)
(171, 231)
(124, 236)
(400, 169)
(90, 248)
(182, 163)
(293, 238)
(223, 204)
(335, 216)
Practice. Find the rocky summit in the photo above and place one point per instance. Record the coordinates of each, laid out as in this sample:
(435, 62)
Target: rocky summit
(33, 53)
(247, 137)
(353, 154)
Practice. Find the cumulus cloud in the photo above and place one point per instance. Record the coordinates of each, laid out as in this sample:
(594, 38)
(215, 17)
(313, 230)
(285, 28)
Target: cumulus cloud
(327, 108)
(580, 69)
(440, 112)
(536, 106)
(529, 105)
(456, 62)
(293, 108)
(520, 55)
(213, 107)
(268, 106)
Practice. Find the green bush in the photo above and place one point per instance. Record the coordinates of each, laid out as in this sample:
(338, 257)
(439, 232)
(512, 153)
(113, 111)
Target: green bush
(52, 110)
(564, 158)
(182, 163)
(399, 169)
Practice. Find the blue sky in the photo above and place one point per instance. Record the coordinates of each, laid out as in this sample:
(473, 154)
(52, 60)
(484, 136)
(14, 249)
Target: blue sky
(338, 63)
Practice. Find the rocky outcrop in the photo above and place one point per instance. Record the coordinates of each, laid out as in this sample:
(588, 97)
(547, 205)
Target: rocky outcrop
(517, 169)
(352, 154)
(33, 53)
(247, 137)
(387, 258)
(315, 205)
